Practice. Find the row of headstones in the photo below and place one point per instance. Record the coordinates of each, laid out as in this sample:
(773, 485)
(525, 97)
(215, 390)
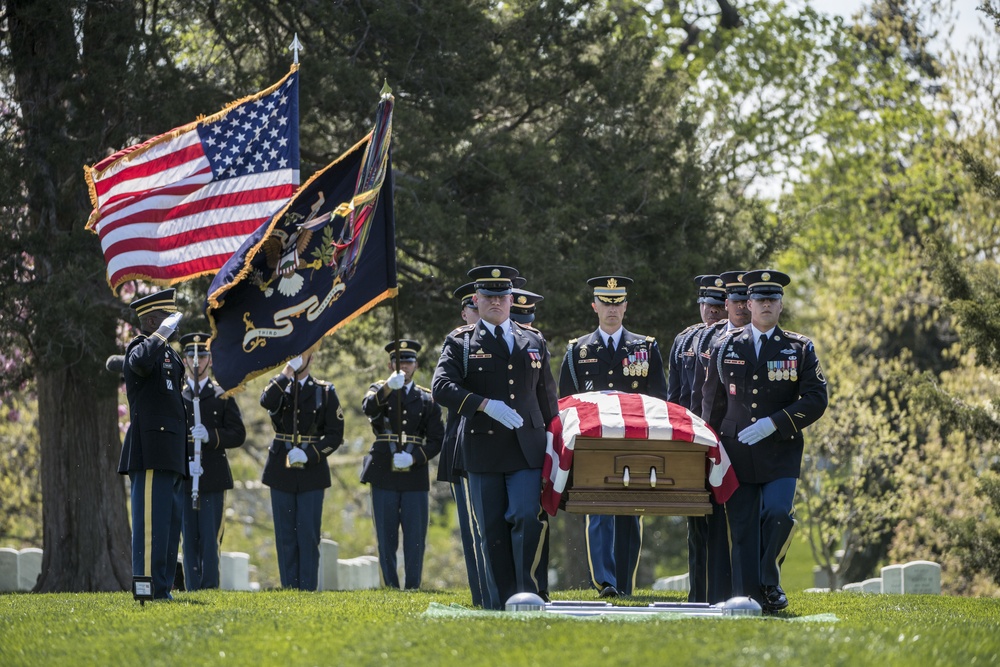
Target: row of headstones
(916, 577)
(19, 570)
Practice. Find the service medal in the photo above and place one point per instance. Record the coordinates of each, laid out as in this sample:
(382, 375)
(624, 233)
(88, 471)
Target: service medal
(794, 375)
(785, 374)
(583, 352)
(770, 375)
(635, 385)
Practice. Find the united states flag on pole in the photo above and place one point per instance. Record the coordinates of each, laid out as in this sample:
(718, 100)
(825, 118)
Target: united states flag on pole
(614, 414)
(178, 205)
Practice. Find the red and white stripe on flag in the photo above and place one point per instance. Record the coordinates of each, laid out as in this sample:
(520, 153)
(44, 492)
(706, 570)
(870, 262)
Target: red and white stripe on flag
(180, 204)
(612, 414)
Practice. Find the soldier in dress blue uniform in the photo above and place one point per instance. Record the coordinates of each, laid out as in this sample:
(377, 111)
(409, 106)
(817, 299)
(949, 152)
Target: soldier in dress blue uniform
(496, 375)
(613, 358)
(764, 386)
(221, 428)
(709, 566)
(153, 454)
(398, 469)
(308, 427)
(683, 356)
(451, 470)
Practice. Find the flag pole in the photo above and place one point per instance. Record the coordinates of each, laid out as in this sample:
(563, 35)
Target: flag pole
(399, 392)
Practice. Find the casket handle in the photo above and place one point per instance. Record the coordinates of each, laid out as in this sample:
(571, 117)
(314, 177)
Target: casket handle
(652, 478)
(625, 477)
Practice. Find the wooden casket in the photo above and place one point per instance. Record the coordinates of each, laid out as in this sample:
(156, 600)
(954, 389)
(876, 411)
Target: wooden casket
(637, 477)
(617, 453)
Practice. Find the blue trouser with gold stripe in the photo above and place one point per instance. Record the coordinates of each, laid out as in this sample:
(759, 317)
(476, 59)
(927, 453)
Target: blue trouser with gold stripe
(472, 544)
(710, 572)
(777, 500)
(613, 546)
(391, 511)
(202, 532)
(156, 526)
(507, 507)
(298, 519)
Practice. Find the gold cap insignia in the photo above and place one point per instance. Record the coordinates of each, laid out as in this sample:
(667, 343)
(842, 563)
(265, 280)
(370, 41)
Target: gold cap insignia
(765, 276)
(402, 345)
(522, 299)
(197, 339)
(719, 283)
(612, 283)
(495, 273)
(739, 277)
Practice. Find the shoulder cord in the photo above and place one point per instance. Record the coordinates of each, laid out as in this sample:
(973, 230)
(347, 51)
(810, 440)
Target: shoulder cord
(572, 366)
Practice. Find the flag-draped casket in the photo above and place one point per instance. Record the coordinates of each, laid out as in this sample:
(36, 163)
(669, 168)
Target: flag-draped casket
(617, 453)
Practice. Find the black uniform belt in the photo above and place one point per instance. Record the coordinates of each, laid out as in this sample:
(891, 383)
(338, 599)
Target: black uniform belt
(290, 440)
(394, 438)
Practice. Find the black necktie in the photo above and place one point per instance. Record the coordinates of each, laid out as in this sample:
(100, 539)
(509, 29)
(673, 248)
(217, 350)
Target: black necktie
(763, 340)
(611, 345)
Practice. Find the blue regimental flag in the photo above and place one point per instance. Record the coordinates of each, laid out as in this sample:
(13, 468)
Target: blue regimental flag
(322, 260)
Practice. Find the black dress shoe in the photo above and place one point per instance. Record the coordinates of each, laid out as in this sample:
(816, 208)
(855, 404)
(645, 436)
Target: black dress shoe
(609, 591)
(774, 598)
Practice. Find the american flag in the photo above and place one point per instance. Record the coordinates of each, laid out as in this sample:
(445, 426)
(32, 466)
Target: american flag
(178, 205)
(615, 414)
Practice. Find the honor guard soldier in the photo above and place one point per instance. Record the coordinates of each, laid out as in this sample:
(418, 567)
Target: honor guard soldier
(308, 427)
(683, 356)
(452, 471)
(764, 386)
(398, 466)
(220, 427)
(709, 566)
(496, 375)
(153, 454)
(613, 358)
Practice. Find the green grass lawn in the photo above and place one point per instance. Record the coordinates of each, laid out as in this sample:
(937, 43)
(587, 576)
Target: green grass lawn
(386, 627)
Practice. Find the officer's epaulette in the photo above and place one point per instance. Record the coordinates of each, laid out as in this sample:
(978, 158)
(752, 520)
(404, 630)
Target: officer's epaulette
(734, 332)
(798, 336)
(322, 383)
(721, 324)
(219, 391)
(463, 329)
(650, 339)
(528, 327)
(693, 326)
(423, 388)
(573, 342)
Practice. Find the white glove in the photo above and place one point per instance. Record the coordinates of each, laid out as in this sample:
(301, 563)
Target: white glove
(295, 363)
(297, 456)
(503, 413)
(402, 460)
(173, 319)
(754, 433)
(195, 469)
(199, 432)
(396, 380)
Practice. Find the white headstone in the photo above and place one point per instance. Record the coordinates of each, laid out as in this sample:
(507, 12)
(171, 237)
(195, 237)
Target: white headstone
(872, 585)
(328, 552)
(816, 590)
(8, 570)
(821, 576)
(29, 566)
(853, 587)
(678, 582)
(234, 571)
(892, 579)
(922, 577)
(371, 572)
(347, 574)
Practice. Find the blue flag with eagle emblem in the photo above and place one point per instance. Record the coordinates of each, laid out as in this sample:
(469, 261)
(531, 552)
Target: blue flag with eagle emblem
(328, 256)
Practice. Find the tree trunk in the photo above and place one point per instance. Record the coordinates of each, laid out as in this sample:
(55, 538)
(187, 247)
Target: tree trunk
(86, 540)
